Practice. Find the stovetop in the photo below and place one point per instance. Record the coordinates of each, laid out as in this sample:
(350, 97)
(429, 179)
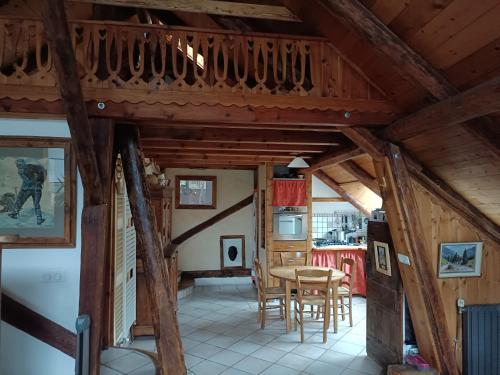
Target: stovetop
(323, 243)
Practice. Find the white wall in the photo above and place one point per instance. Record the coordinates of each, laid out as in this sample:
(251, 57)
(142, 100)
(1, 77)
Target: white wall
(202, 251)
(26, 275)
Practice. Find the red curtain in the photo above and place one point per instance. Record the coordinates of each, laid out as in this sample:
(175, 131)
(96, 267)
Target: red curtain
(328, 258)
(289, 193)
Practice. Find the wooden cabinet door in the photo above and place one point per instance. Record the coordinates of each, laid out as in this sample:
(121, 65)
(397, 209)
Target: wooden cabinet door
(384, 302)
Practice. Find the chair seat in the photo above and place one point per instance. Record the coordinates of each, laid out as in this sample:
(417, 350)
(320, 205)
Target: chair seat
(342, 291)
(318, 300)
(275, 291)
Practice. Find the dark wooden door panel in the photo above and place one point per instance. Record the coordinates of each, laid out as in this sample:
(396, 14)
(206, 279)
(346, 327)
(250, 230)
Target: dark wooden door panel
(384, 302)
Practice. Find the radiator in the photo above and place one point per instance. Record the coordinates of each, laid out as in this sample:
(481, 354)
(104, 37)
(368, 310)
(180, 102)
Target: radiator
(481, 340)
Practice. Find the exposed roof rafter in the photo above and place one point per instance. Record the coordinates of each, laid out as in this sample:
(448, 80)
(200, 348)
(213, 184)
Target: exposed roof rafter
(223, 8)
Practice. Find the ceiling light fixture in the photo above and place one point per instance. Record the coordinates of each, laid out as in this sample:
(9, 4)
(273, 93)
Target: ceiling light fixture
(298, 162)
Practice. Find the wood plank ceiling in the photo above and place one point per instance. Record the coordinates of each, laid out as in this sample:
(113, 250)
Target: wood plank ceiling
(459, 38)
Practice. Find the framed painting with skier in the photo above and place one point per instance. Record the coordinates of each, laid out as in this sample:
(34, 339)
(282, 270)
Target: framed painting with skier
(38, 191)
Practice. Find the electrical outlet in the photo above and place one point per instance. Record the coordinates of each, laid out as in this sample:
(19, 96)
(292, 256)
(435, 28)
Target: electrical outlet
(460, 303)
(52, 277)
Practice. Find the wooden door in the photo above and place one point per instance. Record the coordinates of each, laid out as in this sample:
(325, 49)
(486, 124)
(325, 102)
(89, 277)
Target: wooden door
(384, 302)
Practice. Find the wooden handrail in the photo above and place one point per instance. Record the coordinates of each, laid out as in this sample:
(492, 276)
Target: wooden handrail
(38, 326)
(213, 220)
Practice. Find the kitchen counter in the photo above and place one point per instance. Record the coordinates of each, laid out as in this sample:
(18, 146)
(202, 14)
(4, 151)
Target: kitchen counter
(340, 247)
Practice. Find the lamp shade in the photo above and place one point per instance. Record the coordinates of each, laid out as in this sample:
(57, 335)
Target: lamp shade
(298, 162)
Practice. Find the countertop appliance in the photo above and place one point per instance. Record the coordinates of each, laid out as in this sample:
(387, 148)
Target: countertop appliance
(290, 223)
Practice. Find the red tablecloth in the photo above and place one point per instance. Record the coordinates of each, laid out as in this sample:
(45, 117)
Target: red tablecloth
(328, 258)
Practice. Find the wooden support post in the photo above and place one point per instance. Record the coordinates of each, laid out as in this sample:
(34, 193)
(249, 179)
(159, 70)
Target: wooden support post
(419, 279)
(56, 26)
(96, 231)
(168, 341)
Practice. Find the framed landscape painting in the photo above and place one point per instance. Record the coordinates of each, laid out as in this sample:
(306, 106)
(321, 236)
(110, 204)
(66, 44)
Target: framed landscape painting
(460, 259)
(195, 192)
(37, 191)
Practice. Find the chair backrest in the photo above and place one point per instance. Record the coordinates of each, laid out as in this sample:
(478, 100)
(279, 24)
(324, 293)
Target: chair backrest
(294, 258)
(259, 275)
(348, 266)
(308, 279)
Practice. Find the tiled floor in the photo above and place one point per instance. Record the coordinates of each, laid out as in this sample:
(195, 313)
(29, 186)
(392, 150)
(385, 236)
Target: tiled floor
(221, 336)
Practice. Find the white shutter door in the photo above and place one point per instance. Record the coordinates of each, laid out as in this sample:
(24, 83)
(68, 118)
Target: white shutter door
(130, 270)
(119, 267)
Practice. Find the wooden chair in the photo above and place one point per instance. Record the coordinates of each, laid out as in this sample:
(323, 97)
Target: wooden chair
(348, 266)
(305, 284)
(264, 294)
(294, 258)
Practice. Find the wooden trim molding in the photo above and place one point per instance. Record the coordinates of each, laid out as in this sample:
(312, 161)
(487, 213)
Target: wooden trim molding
(214, 219)
(38, 326)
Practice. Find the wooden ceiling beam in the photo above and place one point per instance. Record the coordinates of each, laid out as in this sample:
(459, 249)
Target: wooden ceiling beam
(367, 141)
(222, 8)
(232, 145)
(364, 177)
(242, 136)
(362, 21)
(475, 102)
(331, 183)
(208, 166)
(222, 158)
(203, 113)
(295, 127)
(159, 152)
(333, 157)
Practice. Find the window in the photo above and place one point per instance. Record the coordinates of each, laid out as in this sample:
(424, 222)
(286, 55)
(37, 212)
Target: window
(195, 192)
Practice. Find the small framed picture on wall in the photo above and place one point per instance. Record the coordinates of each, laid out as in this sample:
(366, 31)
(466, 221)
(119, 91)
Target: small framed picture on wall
(460, 259)
(232, 252)
(382, 258)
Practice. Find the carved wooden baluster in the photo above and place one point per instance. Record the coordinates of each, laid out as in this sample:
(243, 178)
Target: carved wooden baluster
(316, 68)
(20, 51)
(200, 41)
(260, 48)
(220, 47)
(298, 54)
(240, 49)
(136, 39)
(157, 48)
(41, 49)
(280, 55)
(179, 41)
(90, 61)
(114, 56)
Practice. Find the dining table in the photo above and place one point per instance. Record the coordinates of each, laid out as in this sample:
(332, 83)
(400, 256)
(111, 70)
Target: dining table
(286, 275)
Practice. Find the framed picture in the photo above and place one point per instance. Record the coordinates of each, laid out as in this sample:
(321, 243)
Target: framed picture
(382, 258)
(196, 192)
(38, 191)
(232, 251)
(460, 259)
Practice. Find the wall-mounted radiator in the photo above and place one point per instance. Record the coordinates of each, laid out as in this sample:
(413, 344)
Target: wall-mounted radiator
(481, 340)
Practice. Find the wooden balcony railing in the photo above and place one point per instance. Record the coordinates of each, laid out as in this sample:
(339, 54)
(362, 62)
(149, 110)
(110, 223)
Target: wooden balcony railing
(159, 64)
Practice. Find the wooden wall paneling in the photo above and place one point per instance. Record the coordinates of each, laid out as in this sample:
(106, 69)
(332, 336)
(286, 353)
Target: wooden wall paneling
(461, 44)
(457, 16)
(419, 280)
(168, 342)
(309, 244)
